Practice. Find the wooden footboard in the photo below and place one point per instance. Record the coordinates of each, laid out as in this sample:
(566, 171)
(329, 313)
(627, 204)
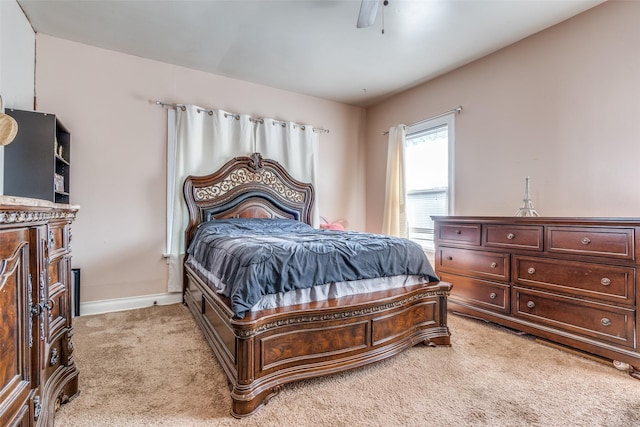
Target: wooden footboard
(270, 348)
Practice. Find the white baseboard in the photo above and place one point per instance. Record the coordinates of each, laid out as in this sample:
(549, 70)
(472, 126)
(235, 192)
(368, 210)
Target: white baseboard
(121, 304)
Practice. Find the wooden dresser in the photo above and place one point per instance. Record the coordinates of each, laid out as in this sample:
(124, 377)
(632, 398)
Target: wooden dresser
(567, 280)
(37, 371)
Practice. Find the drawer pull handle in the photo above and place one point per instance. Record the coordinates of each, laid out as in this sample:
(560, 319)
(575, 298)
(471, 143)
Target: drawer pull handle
(531, 304)
(605, 321)
(449, 258)
(458, 232)
(494, 264)
(511, 236)
(585, 240)
(493, 295)
(52, 239)
(54, 357)
(531, 270)
(605, 281)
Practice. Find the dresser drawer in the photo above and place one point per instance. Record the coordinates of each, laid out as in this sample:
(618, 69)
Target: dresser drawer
(609, 242)
(480, 293)
(56, 356)
(459, 233)
(611, 283)
(488, 265)
(56, 236)
(57, 271)
(589, 319)
(514, 237)
(57, 309)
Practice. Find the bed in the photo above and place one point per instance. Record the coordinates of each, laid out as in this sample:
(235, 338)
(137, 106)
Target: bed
(262, 350)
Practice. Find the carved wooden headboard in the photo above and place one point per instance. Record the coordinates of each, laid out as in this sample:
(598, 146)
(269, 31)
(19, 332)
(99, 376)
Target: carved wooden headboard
(246, 187)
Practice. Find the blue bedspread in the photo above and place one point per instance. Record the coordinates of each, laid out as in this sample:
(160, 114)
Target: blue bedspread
(256, 257)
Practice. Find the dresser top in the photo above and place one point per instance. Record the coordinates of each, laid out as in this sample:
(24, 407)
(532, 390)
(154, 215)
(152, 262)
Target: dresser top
(16, 202)
(541, 220)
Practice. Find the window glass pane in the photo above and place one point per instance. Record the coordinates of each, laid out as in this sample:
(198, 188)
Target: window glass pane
(427, 159)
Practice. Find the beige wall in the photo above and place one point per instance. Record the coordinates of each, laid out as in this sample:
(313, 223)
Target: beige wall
(561, 106)
(118, 153)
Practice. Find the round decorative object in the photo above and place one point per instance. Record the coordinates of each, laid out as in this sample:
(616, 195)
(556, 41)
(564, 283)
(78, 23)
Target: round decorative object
(8, 127)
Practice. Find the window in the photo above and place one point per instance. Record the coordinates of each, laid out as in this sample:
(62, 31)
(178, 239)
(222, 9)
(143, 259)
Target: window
(429, 176)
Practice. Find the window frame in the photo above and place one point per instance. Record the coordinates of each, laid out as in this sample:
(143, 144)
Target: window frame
(420, 127)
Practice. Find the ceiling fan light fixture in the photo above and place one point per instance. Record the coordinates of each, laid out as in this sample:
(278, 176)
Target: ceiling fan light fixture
(368, 12)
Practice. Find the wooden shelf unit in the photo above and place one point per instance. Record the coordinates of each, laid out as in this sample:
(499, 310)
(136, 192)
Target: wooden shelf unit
(40, 152)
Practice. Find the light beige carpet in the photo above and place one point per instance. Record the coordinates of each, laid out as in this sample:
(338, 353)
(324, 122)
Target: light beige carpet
(152, 367)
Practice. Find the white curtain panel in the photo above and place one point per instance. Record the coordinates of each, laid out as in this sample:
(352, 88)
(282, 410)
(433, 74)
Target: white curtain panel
(295, 147)
(204, 141)
(394, 222)
(201, 141)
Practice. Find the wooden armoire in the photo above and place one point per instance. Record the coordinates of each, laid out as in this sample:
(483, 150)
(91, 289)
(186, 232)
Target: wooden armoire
(37, 370)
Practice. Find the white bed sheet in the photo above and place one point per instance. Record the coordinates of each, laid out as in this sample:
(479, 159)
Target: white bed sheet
(316, 293)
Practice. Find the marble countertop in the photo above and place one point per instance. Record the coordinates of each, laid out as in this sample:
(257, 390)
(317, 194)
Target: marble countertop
(26, 201)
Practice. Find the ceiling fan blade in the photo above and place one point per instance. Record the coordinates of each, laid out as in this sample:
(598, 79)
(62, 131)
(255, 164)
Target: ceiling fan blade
(368, 11)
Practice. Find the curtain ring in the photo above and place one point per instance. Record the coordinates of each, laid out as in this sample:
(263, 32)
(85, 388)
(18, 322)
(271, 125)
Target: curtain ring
(183, 108)
(210, 112)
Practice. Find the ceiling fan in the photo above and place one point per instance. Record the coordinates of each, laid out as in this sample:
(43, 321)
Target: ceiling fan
(368, 12)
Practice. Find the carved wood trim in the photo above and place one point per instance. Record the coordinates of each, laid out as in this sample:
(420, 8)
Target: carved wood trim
(240, 177)
(31, 216)
(343, 314)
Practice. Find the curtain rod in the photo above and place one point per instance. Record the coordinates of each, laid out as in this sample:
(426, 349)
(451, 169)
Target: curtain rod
(457, 110)
(235, 116)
